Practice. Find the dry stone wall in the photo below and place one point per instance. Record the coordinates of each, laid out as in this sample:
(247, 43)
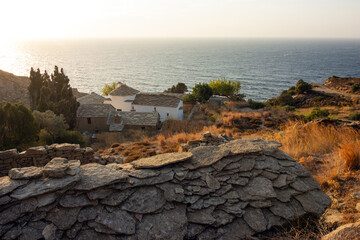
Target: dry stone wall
(231, 191)
(40, 156)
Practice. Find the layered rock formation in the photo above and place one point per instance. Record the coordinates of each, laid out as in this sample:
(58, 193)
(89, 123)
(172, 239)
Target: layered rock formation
(231, 191)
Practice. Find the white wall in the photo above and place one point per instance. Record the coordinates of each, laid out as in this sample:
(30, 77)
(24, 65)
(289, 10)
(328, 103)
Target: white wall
(118, 102)
(163, 111)
(180, 112)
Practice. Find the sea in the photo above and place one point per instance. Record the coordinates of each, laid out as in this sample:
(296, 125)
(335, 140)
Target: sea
(265, 67)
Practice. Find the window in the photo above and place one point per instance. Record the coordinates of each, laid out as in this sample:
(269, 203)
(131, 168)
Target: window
(119, 110)
(154, 109)
(167, 114)
(89, 120)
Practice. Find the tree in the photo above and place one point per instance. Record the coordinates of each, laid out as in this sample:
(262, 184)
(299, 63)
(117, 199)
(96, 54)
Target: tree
(36, 82)
(108, 88)
(179, 88)
(17, 125)
(302, 86)
(225, 87)
(202, 92)
(53, 124)
(56, 95)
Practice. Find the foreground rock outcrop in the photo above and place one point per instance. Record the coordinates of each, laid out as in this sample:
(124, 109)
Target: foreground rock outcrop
(231, 191)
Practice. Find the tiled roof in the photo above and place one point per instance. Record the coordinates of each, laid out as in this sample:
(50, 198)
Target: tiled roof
(135, 118)
(94, 110)
(123, 90)
(157, 100)
(91, 98)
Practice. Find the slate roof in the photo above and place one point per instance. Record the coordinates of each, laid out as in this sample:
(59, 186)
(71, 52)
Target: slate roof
(123, 90)
(94, 110)
(135, 118)
(157, 100)
(91, 98)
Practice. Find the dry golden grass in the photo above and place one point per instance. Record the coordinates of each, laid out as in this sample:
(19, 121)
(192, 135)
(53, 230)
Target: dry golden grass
(349, 152)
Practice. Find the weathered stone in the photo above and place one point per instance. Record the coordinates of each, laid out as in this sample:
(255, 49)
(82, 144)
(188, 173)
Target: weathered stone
(162, 160)
(36, 151)
(255, 219)
(74, 167)
(117, 197)
(212, 182)
(286, 194)
(314, 202)
(180, 173)
(65, 147)
(101, 228)
(144, 173)
(332, 217)
(198, 204)
(87, 234)
(191, 199)
(81, 200)
(63, 218)
(258, 188)
(205, 156)
(8, 185)
(56, 168)
(46, 199)
(236, 209)
(172, 192)
(244, 165)
(300, 186)
(269, 175)
(13, 233)
(236, 180)
(347, 231)
(5, 227)
(298, 170)
(41, 186)
(99, 193)
(261, 204)
(10, 214)
(145, 200)
(118, 221)
(231, 195)
(272, 220)
(135, 182)
(49, 232)
(28, 205)
(170, 224)
(89, 213)
(237, 230)
(280, 181)
(193, 230)
(222, 190)
(73, 231)
(25, 173)
(269, 163)
(214, 201)
(222, 218)
(11, 153)
(210, 233)
(94, 175)
(202, 216)
(4, 200)
(283, 210)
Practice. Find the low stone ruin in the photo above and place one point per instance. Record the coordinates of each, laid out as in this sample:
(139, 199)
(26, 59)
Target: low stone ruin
(231, 191)
(206, 139)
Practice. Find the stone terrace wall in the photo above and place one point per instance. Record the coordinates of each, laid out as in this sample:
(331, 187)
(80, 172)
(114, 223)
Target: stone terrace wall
(231, 191)
(39, 156)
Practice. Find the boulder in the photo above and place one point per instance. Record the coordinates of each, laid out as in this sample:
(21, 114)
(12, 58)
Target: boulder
(25, 173)
(56, 168)
(11, 153)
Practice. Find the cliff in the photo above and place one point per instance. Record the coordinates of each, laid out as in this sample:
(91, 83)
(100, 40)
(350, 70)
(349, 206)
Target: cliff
(231, 191)
(14, 88)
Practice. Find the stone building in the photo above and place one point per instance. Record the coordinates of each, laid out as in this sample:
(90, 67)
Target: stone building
(93, 117)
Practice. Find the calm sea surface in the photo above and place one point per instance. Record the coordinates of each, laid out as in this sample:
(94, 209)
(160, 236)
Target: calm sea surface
(264, 67)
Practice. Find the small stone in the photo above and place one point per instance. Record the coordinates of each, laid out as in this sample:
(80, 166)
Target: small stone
(170, 192)
(212, 182)
(36, 151)
(118, 221)
(280, 181)
(118, 197)
(49, 232)
(71, 201)
(99, 193)
(202, 216)
(4, 200)
(74, 167)
(63, 218)
(11, 153)
(258, 188)
(56, 168)
(255, 219)
(8, 185)
(25, 173)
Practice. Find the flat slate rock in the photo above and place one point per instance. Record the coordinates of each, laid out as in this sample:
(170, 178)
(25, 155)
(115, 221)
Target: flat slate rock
(94, 175)
(8, 154)
(44, 185)
(205, 156)
(7, 185)
(162, 160)
(56, 168)
(25, 173)
(251, 145)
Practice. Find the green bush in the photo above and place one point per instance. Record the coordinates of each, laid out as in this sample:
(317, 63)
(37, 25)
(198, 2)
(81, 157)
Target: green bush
(189, 98)
(289, 108)
(285, 99)
(302, 86)
(318, 113)
(355, 117)
(214, 117)
(179, 88)
(225, 87)
(355, 87)
(71, 137)
(202, 92)
(255, 105)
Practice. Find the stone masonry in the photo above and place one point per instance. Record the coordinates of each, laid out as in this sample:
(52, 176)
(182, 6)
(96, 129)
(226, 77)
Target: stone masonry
(231, 191)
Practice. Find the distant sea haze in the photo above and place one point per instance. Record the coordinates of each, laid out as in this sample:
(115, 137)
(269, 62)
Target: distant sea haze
(265, 67)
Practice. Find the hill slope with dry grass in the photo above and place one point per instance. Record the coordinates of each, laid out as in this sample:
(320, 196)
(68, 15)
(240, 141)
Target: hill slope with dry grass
(14, 88)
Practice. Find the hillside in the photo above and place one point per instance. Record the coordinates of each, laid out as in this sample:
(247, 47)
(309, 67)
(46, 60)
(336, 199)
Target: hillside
(342, 84)
(14, 88)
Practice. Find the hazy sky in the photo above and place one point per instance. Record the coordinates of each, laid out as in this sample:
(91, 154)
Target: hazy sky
(33, 19)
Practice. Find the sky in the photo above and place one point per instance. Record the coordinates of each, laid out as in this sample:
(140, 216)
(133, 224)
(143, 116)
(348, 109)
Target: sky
(49, 19)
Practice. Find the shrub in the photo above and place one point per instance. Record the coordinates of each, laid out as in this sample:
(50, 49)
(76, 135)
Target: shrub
(179, 88)
(189, 98)
(71, 137)
(355, 87)
(255, 105)
(302, 86)
(318, 113)
(350, 154)
(355, 117)
(202, 92)
(285, 99)
(45, 138)
(108, 88)
(289, 108)
(225, 87)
